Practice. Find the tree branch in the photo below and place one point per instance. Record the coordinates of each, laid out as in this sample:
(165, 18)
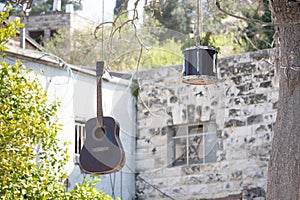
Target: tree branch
(218, 5)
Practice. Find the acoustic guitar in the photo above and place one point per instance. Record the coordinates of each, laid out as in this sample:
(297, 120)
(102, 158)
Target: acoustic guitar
(102, 152)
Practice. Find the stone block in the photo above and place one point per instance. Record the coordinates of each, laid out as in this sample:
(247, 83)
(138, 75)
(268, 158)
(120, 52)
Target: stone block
(190, 170)
(254, 119)
(145, 165)
(200, 190)
(236, 154)
(144, 143)
(193, 180)
(177, 191)
(270, 117)
(172, 172)
(179, 114)
(234, 123)
(263, 108)
(205, 113)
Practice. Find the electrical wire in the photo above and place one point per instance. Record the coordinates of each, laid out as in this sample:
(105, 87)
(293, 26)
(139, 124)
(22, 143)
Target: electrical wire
(112, 184)
(148, 183)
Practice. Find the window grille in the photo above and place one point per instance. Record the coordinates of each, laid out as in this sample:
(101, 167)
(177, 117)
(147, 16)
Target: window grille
(79, 136)
(191, 145)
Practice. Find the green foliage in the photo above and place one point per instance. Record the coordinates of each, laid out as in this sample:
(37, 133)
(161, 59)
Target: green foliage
(246, 36)
(257, 36)
(75, 48)
(205, 40)
(121, 52)
(88, 189)
(32, 159)
(59, 45)
(229, 44)
(160, 54)
(176, 15)
(9, 28)
(28, 124)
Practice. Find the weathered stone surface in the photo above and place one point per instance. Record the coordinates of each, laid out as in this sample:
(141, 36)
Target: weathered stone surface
(243, 107)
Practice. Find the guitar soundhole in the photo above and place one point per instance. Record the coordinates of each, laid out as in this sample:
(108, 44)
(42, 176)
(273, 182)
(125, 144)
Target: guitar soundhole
(99, 133)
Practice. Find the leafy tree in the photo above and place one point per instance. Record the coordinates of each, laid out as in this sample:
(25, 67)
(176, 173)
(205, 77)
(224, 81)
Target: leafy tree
(238, 36)
(121, 52)
(256, 36)
(32, 160)
(160, 54)
(79, 47)
(46, 6)
(176, 15)
(121, 5)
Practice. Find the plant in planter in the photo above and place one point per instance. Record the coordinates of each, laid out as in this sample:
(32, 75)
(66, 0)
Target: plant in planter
(200, 61)
(204, 41)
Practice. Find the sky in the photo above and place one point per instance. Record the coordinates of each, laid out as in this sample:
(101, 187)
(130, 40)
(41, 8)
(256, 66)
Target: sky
(92, 9)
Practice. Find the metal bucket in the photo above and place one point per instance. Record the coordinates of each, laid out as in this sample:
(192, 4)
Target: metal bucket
(200, 65)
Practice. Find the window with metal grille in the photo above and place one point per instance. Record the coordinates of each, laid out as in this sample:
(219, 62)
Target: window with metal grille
(191, 145)
(79, 136)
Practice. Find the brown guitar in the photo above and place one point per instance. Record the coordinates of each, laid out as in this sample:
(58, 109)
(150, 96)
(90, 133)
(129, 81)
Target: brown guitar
(102, 152)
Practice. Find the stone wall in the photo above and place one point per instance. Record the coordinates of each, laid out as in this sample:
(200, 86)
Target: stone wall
(243, 107)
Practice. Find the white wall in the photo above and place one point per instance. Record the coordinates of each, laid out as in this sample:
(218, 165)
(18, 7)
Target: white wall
(119, 104)
(76, 91)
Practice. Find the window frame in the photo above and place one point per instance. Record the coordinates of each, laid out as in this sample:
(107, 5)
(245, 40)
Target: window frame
(80, 136)
(204, 133)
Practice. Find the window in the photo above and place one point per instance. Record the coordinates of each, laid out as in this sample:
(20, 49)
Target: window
(191, 145)
(79, 136)
(37, 36)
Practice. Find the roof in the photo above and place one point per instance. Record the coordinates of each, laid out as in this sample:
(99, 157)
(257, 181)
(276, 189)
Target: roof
(49, 59)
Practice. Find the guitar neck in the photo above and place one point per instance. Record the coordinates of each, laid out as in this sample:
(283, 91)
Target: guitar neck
(99, 73)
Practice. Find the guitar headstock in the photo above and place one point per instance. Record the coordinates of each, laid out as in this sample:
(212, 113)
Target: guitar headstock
(99, 68)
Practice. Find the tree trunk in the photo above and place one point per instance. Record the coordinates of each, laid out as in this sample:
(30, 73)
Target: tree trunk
(284, 165)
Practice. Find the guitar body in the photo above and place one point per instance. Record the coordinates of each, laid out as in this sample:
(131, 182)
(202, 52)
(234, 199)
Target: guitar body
(102, 152)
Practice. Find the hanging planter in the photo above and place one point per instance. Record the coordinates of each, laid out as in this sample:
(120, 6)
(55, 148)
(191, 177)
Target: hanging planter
(200, 65)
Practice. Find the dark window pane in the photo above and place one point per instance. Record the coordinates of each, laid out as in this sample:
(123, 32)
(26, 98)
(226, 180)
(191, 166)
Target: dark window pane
(180, 155)
(195, 149)
(37, 36)
(79, 136)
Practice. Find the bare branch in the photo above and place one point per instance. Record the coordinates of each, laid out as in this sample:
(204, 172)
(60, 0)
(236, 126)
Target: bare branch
(239, 17)
(253, 20)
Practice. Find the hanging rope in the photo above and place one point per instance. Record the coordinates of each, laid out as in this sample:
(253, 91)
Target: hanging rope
(199, 25)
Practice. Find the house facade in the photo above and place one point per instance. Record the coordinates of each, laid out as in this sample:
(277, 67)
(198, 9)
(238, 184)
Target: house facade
(46, 25)
(181, 141)
(206, 141)
(75, 88)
